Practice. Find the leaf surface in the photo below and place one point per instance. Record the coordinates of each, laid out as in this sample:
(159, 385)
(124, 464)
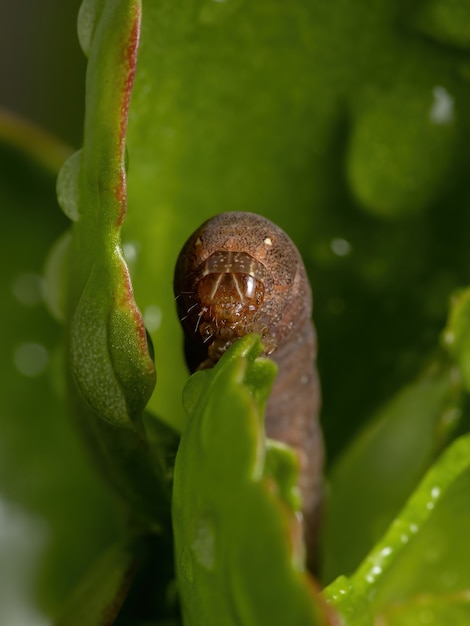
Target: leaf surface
(239, 550)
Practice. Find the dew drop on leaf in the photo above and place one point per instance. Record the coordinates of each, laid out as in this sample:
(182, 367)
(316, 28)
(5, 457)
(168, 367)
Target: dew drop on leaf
(87, 16)
(152, 317)
(442, 109)
(27, 289)
(31, 359)
(67, 186)
(340, 247)
(204, 543)
(186, 565)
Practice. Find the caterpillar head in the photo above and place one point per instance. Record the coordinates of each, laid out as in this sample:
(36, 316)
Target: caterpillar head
(236, 274)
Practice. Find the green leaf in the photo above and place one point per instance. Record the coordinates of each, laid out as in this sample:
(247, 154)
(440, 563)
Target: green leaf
(239, 553)
(36, 150)
(385, 168)
(111, 372)
(376, 474)
(98, 600)
(457, 333)
(108, 346)
(445, 20)
(43, 470)
(420, 566)
(264, 107)
(257, 106)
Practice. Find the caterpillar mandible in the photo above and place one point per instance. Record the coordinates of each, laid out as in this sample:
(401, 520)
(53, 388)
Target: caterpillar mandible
(239, 273)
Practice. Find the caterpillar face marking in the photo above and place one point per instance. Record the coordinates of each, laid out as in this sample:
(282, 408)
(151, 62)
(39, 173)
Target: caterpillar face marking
(240, 273)
(234, 276)
(227, 291)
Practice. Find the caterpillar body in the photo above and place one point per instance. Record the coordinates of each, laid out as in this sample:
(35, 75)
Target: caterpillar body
(239, 273)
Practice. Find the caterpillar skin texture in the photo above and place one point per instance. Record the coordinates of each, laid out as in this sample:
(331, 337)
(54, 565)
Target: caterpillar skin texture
(239, 273)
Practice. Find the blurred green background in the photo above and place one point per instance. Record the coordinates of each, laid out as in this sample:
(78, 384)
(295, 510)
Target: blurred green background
(47, 489)
(42, 66)
(348, 124)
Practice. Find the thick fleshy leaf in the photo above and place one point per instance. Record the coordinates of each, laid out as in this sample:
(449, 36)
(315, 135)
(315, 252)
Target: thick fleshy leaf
(239, 552)
(108, 353)
(98, 600)
(43, 468)
(319, 117)
(108, 346)
(198, 145)
(374, 477)
(345, 125)
(419, 569)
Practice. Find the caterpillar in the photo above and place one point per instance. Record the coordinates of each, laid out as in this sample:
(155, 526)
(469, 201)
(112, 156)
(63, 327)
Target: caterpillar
(239, 273)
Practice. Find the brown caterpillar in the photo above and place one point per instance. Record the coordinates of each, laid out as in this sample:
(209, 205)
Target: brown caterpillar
(240, 273)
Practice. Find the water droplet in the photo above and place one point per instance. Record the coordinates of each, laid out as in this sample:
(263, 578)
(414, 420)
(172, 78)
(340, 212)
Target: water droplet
(435, 492)
(68, 186)
(204, 544)
(31, 359)
(186, 565)
(413, 528)
(430, 505)
(442, 108)
(404, 538)
(340, 247)
(152, 317)
(27, 289)
(449, 338)
(374, 572)
(386, 551)
(131, 251)
(86, 21)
